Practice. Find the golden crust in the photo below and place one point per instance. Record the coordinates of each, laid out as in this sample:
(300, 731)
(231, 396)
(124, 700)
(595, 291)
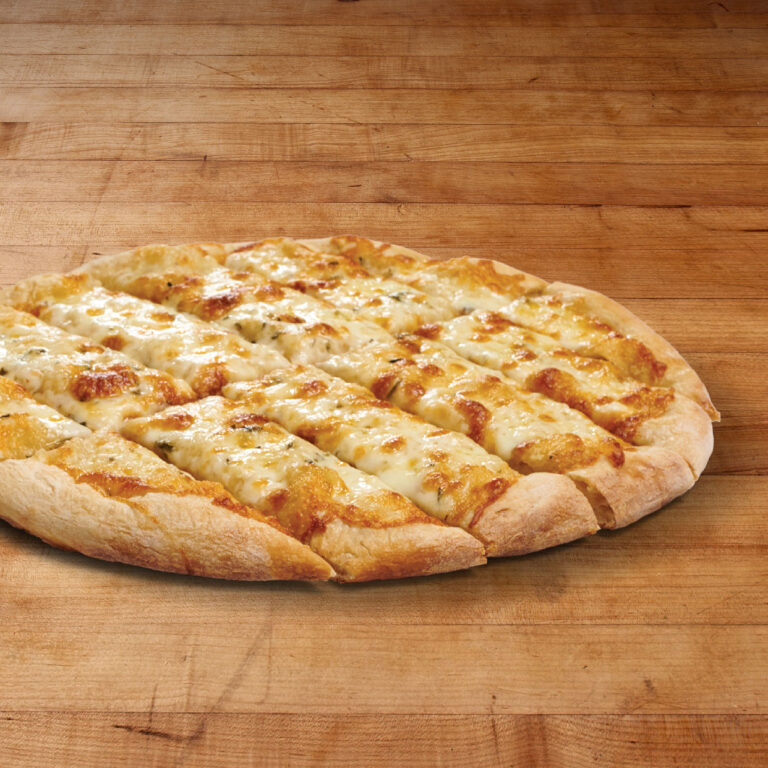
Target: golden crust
(683, 428)
(374, 256)
(540, 510)
(649, 478)
(186, 533)
(678, 374)
(496, 505)
(418, 549)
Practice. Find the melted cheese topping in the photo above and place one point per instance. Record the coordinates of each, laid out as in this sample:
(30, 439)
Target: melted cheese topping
(465, 283)
(114, 271)
(90, 384)
(468, 284)
(286, 260)
(394, 306)
(122, 469)
(378, 258)
(561, 320)
(266, 466)
(528, 430)
(541, 364)
(444, 473)
(204, 356)
(304, 329)
(27, 426)
(300, 327)
(341, 280)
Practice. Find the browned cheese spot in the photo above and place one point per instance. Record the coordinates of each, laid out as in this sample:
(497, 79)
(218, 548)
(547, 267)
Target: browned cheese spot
(247, 421)
(210, 379)
(476, 415)
(114, 341)
(103, 382)
(312, 388)
(430, 331)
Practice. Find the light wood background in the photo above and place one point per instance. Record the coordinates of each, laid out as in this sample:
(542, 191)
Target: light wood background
(602, 143)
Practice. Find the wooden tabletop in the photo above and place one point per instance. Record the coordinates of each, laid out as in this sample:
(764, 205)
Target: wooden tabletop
(599, 143)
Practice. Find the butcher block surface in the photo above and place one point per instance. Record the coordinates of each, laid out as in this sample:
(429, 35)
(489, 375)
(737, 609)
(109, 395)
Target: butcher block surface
(607, 144)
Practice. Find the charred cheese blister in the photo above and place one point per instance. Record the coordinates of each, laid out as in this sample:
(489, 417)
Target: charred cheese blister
(528, 430)
(204, 356)
(27, 426)
(91, 384)
(352, 519)
(443, 472)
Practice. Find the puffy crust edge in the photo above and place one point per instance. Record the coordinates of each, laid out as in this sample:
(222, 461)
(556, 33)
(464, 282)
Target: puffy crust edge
(649, 478)
(684, 429)
(540, 510)
(679, 373)
(161, 531)
(416, 549)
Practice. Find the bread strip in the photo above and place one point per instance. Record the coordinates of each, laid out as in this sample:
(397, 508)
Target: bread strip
(110, 499)
(302, 328)
(204, 356)
(466, 283)
(95, 386)
(678, 374)
(341, 281)
(635, 412)
(27, 426)
(444, 473)
(527, 430)
(364, 529)
(113, 269)
(285, 260)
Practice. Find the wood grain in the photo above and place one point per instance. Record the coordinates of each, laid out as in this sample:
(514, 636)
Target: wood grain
(265, 666)
(679, 567)
(419, 224)
(382, 182)
(388, 105)
(435, 72)
(87, 35)
(366, 143)
(623, 146)
(635, 741)
(318, 12)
